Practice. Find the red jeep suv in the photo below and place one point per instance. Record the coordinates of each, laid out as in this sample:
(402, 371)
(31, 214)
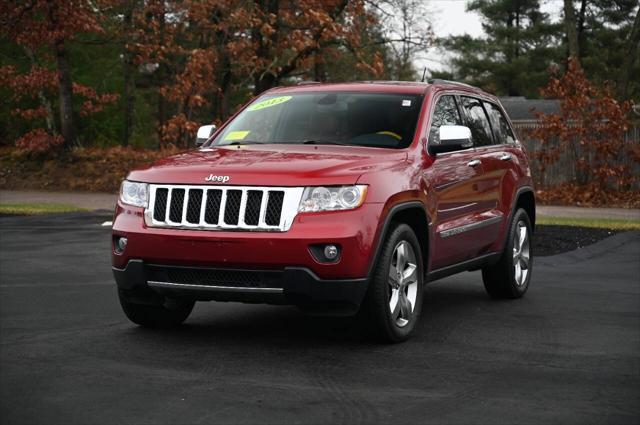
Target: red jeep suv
(338, 198)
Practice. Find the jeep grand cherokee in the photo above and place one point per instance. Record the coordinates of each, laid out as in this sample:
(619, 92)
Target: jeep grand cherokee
(338, 198)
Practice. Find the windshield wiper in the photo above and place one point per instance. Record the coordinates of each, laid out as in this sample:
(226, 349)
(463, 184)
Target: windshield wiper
(322, 142)
(245, 142)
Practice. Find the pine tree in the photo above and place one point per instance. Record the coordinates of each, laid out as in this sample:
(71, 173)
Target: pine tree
(514, 57)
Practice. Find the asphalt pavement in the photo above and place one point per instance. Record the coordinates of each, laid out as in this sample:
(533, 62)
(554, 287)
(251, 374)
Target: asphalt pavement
(569, 352)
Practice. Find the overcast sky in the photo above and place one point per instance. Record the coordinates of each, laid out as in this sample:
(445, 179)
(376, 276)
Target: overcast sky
(450, 17)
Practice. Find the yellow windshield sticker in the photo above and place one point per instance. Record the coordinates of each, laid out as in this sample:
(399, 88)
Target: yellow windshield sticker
(236, 135)
(268, 103)
(390, 133)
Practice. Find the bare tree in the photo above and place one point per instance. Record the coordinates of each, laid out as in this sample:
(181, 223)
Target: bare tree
(407, 30)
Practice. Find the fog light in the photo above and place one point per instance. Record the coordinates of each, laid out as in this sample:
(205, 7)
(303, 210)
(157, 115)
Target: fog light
(331, 252)
(121, 244)
(322, 253)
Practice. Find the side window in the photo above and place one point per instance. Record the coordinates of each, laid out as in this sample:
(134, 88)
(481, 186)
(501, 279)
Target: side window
(501, 129)
(477, 121)
(445, 113)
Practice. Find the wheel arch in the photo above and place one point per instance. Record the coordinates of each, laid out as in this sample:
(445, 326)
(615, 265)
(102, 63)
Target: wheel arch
(412, 213)
(525, 199)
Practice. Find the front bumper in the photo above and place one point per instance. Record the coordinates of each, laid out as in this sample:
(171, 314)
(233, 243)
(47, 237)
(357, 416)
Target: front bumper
(354, 231)
(150, 284)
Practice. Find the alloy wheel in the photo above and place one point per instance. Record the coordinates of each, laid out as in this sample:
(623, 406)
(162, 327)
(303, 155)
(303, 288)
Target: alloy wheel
(403, 283)
(521, 253)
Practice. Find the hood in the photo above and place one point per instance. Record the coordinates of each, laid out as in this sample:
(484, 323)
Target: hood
(270, 165)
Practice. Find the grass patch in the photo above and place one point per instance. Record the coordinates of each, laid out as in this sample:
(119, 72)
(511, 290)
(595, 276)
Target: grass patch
(34, 209)
(600, 223)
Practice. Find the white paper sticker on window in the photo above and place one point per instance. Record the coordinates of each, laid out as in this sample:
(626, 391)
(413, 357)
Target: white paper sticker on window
(406, 102)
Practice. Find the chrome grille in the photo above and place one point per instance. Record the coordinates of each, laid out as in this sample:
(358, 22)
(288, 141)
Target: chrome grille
(274, 208)
(223, 207)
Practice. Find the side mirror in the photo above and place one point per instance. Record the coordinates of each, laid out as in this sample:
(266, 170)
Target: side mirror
(204, 133)
(452, 138)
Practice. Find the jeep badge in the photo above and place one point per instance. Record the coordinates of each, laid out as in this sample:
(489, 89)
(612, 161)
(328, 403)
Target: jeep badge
(217, 179)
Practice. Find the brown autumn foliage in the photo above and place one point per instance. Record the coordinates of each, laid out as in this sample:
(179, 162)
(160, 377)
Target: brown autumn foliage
(81, 169)
(43, 28)
(240, 42)
(591, 124)
(102, 170)
(590, 195)
(196, 54)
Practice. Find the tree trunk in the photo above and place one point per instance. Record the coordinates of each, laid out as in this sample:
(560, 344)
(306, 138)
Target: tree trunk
(225, 75)
(580, 25)
(517, 43)
(265, 78)
(632, 52)
(319, 69)
(264, 82)
(225, 93)
(161, 79)
(511, 48)
(66, 95)
(128, 70)
(570, 28)
(44, 102)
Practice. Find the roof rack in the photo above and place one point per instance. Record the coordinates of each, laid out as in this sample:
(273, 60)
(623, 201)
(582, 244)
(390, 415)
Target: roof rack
(390, 82)
(441, 81)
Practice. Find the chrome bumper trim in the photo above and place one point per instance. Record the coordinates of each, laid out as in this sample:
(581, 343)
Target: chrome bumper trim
(169, 285)
(472, 226)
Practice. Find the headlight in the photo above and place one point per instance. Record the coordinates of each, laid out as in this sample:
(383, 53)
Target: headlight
(134, 193)
(332, 198)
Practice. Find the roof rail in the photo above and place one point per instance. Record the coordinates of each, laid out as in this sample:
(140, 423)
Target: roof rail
(441, 81)
(307, 82)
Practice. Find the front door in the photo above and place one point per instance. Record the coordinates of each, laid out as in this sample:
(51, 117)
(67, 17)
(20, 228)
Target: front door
(455, 179)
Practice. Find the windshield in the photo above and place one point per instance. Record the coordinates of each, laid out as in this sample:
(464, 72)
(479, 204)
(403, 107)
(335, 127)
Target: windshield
(354, 119)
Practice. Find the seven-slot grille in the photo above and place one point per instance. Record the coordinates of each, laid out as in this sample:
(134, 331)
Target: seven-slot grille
(223, 207)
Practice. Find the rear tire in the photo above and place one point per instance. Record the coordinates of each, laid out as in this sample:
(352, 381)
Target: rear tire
(510, 277)
(172, 313)
(393, 302)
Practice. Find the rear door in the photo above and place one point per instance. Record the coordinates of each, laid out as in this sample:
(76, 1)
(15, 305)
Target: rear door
(484, 226)
(453, 178)
(501, 160)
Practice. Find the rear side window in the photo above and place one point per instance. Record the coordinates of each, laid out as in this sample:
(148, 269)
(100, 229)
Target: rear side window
(477, 121)
(445, 113)
(501, 129)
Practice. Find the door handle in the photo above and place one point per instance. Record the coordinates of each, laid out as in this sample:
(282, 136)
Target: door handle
(505, 157)
(473, 163)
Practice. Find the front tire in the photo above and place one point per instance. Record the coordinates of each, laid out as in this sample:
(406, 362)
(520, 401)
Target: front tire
(172, 313)
(510, 277)
(394, 299)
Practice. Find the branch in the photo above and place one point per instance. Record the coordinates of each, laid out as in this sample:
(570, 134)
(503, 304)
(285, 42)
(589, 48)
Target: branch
(309, 50)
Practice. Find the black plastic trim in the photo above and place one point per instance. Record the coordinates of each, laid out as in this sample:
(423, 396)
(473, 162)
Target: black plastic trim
(514, 201)
(300, 286)
(385, 228)
(468, 265)
(131, 276)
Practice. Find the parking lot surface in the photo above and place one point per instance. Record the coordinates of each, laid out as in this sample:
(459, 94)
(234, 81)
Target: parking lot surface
(569, 352)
